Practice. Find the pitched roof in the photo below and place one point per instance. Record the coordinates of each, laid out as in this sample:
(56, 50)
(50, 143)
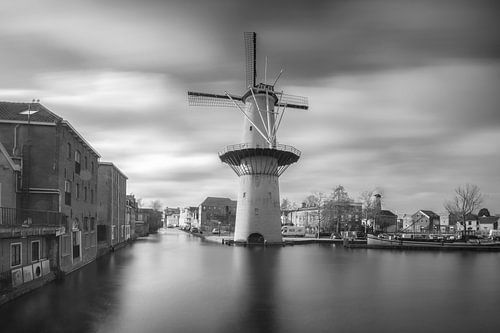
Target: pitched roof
(38, 115)
(487, 219)
(384, 212)
(215, 201)
(18, 112)
(429, 213)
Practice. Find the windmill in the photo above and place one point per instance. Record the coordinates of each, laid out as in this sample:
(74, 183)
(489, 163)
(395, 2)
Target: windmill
(259, 160)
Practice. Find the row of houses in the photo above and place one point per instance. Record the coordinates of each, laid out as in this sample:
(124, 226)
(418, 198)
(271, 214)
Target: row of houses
(60, 206)
(427, 221)
(213, 212)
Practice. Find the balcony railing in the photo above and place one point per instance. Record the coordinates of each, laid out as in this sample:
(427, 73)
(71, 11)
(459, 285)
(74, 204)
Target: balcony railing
(241, 146)
(28, 217)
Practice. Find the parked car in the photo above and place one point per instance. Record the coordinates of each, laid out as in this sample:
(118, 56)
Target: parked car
(195, 230)
(215, 231)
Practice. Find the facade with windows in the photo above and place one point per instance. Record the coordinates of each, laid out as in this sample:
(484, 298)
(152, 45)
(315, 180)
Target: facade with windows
(331, 217)
(131, 215)
(58, 175)
(28, 238)
(424, 221)
(216, 212)
(112, 188)
(172, 216)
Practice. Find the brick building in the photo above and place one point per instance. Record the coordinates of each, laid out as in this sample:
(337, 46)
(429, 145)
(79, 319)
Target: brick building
(58, 174)
(216, 212)
(424, 221)
(131, 209)
(112, 193)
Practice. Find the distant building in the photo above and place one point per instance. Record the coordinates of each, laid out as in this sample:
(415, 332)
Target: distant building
(58, 174)
(188, 217)
(148, 221)
(425, 221)
(304, 217)
(386, 221)
(172, 216)
(334, 215)
(112, 189)
(131, 211)
(216, 212)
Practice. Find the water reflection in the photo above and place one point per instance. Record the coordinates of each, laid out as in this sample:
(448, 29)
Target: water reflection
(257, 292)
(178, 283)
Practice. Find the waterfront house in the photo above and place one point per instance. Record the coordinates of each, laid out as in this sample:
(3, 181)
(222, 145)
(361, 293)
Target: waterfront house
(58, 174)
(112, 230)
(332, 215)
(131, 209)
(188, 216)
(172, 217)
(386, 221)
(148, 221)
(424, 221)
(215, 212)
(28, 238)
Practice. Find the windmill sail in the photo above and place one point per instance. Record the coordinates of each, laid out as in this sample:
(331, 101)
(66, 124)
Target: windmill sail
(292, 101)
(214, 100)
(251, 60)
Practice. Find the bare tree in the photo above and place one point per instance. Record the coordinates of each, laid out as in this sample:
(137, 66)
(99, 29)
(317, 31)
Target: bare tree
(317, 199)
(337, 207)
(467, 199)
(314, 199)
(156, 205)
(140, 204)
(286, 204)
(366, 198)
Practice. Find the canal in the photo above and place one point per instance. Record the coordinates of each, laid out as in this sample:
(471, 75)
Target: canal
(175, 282)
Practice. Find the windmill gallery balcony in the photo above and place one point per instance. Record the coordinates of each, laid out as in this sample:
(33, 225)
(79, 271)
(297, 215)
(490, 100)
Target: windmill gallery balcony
(272, 161)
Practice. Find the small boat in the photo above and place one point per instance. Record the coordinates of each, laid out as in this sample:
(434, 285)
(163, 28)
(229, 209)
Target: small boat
(377, 242)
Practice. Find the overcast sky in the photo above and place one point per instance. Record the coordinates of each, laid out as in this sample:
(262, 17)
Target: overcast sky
(404, 95)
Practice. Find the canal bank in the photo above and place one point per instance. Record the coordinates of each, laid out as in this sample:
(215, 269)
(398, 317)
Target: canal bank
(175, 282)
(374, 242)
(11, 289)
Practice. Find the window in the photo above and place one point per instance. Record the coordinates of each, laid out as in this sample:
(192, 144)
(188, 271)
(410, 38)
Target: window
(92, 167)
(92, 224)
(91, 195)
(66, 245)
(77, 162)
(76, 244)
(85, 193)
(251, 128)
(86, 163)
(77, 194)
(15, 254)
(67, 192)
(85, 224)
(69, 150)
(35, 251)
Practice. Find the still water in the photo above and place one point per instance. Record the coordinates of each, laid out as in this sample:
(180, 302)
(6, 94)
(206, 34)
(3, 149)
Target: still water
(175, 282)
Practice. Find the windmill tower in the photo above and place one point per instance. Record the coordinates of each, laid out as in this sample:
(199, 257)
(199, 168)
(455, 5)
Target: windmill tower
(259, 160)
